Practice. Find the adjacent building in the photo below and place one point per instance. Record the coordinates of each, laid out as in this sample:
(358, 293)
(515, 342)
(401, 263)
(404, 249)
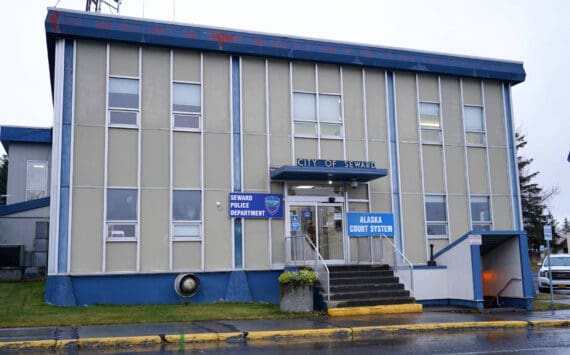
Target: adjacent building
(185, 149)
(24, 218)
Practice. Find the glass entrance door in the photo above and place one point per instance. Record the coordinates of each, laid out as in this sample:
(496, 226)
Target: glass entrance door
(323, 224)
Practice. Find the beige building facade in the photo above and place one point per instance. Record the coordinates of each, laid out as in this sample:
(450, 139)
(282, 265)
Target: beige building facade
(154, 132)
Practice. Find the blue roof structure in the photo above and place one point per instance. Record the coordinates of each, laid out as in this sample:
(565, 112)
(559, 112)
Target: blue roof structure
(77, 24)
(19, 207)
(24, 135)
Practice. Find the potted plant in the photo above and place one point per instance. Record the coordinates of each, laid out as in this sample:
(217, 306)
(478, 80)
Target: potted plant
(297, 290)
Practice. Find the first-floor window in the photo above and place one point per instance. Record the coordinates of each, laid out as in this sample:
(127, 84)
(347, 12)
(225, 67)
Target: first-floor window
(122, 213)
(436, 216)
(36, 179)
(186, 214)
(480, 213)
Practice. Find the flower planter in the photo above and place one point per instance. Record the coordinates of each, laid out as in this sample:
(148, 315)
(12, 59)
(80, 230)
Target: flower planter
(296, 298)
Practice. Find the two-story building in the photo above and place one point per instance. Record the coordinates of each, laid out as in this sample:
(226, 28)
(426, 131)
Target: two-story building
(185, 149)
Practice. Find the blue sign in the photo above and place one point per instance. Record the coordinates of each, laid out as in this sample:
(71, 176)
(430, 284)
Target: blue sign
(367, 224)
(244, 205)
(295, 226)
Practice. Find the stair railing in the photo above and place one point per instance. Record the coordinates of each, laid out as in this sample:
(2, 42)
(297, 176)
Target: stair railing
(400, 262)
(496, 297)
(300, 251)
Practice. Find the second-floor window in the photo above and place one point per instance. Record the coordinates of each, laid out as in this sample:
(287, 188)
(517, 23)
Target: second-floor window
(474, 125)
(186, 106)
(430, 122)
(123, 101)
(317, 115)
(36, 179)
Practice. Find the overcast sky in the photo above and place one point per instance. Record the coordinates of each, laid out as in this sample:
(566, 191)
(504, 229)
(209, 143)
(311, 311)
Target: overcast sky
(532, 31)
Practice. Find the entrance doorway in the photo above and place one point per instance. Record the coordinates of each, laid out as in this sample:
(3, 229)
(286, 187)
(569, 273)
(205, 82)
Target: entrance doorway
(323, 224)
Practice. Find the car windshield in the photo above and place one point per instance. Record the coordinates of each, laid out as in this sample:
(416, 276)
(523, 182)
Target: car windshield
(559, 262)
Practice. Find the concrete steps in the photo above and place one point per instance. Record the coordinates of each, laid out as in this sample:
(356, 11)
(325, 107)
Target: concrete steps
(364, 286)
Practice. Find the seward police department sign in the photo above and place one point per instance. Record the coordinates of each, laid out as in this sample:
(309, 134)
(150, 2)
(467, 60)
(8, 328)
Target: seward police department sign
(367, 224)
(244, 205)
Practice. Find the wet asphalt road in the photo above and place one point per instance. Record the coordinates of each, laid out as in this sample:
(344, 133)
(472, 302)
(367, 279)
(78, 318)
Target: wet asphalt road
(504, 341)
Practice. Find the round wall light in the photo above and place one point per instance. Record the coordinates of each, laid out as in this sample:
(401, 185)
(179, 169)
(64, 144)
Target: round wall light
(186, 285)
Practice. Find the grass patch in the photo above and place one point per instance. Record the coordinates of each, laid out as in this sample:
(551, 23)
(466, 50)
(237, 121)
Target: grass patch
(546, 297)
(21, 305)
(545, 306)
(541, 302)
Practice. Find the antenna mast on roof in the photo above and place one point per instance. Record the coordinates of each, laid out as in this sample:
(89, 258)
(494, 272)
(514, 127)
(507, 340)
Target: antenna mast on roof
(95, 5)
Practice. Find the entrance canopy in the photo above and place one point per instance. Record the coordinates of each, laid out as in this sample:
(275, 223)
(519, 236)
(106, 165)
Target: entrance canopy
(320, 173)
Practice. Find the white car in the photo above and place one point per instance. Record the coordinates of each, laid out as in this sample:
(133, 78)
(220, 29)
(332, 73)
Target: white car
(560, 267)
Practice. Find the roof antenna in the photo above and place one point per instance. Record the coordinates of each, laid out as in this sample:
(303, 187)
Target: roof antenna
(95, 5)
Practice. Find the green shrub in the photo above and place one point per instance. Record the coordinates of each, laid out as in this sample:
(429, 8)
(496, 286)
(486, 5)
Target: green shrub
(298, 278)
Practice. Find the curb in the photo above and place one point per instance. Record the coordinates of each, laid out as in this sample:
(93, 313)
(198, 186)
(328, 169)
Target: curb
(385, 309)
(269, 335)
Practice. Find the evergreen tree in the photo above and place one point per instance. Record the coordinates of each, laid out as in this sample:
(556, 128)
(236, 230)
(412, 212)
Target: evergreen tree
(566, 226)
(533, 199)
(3, 178)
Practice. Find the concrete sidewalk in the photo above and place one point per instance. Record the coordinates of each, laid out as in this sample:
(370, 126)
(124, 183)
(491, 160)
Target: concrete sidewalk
(432, 319)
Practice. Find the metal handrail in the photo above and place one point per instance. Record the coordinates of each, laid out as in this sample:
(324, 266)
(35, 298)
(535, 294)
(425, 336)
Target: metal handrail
(496, 297)
(405, 259)
(318, 262)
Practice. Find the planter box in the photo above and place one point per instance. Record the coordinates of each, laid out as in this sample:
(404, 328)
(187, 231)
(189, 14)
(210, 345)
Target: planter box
(296, 298)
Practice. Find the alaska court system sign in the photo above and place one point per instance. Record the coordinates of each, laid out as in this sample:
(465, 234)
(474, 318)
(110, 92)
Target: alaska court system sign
(367, 224)
(244, 205)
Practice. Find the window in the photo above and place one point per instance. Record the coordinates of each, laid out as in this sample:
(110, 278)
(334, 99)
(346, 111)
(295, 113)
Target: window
(430, 123)
(328, 122)
(436, 216)
(480, 213)
(330, 116)
(123, 101)
(186, 214)
(474, 127)
(305, 114)
(121, 213)
(186, 105)
(36, 180)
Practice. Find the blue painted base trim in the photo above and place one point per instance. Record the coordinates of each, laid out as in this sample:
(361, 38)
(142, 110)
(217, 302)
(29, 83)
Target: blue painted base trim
(525, 303)
(504, 302)
(231, 286)
(454, 302)
(59, 291)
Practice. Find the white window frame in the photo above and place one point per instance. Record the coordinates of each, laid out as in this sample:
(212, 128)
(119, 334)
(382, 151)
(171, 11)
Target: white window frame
(197, 223)
(185, 113)
(488, 222)
(111, 222)
(318, 122)
(443, 222)
(29, 164)
(123, 109)
(321, 122)
(430, 129)
(481, 132)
